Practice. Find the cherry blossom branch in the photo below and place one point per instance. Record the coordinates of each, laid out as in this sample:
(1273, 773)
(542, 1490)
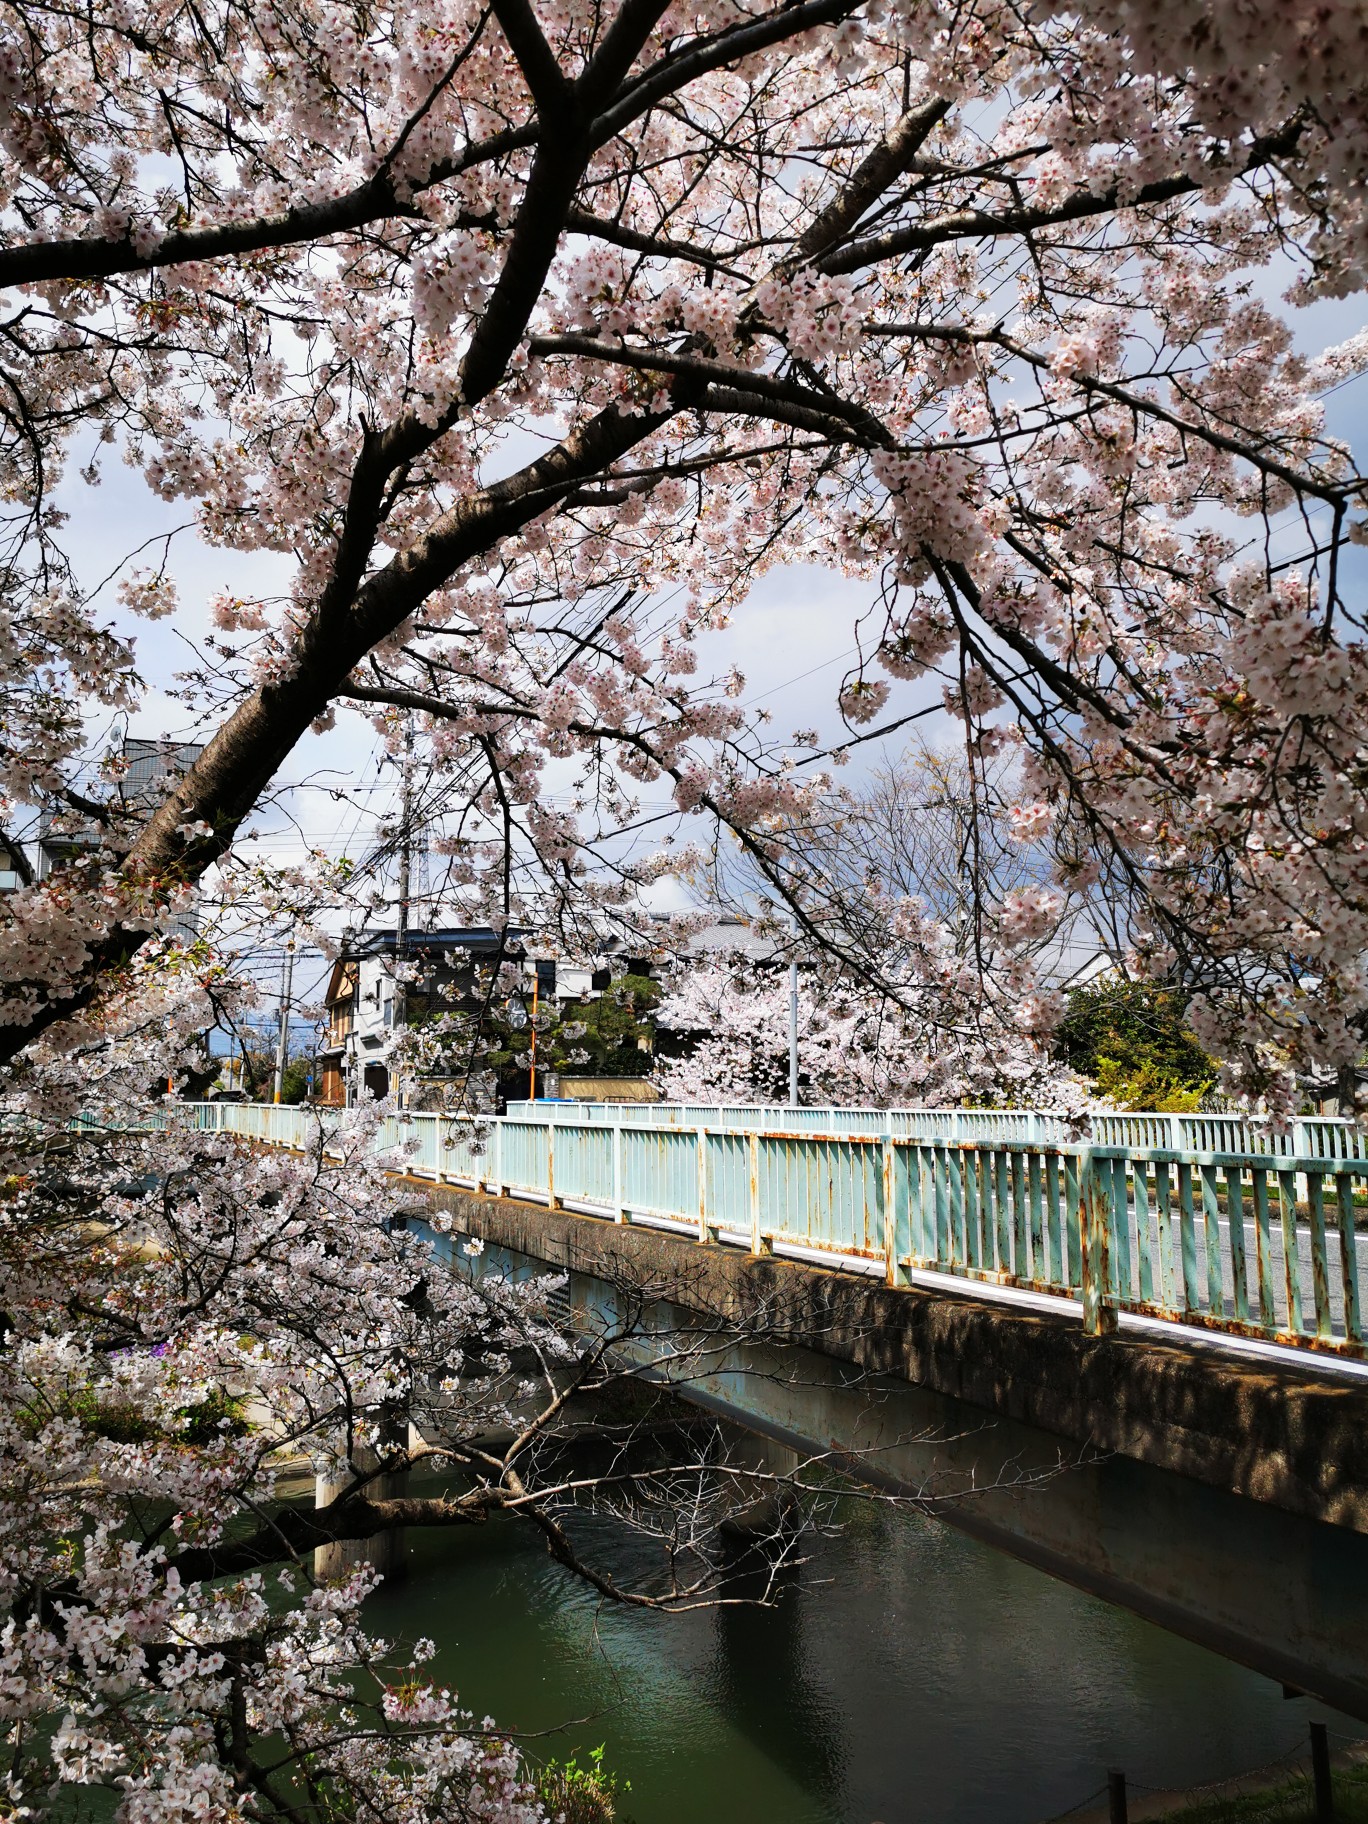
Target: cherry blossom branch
(1247, 449)
(976, 224)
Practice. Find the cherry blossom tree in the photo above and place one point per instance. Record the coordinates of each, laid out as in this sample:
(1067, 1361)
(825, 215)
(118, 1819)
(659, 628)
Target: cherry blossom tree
(500, 327)
(946, 830)
(729, 1019)
(174, 1378)
(933, 879)
(523, 341)
(932, 822)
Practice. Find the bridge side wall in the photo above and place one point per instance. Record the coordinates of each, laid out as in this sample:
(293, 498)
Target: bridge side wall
(1272, 1433)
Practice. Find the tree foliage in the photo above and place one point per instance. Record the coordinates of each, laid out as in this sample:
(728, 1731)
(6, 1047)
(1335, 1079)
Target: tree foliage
(609, 1034)
(1134, 1041)
(585, 1794)
(253, 1072)
(496, 330)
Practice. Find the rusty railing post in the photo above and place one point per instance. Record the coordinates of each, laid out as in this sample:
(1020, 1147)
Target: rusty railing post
(1094, 1219)
(890, 1210)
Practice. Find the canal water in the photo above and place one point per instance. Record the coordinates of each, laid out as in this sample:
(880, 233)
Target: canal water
(908, 1673)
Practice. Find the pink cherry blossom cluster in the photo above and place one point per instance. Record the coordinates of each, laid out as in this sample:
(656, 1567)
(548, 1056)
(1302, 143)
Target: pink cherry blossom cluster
(235, 1312)
(857, 1047)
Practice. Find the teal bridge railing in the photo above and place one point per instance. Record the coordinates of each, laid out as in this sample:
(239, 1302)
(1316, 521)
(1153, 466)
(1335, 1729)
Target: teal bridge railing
(1198, 1219)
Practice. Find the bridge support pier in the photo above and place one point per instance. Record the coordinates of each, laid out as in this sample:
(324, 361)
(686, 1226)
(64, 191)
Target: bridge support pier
(385, 1552)
(768, 1507)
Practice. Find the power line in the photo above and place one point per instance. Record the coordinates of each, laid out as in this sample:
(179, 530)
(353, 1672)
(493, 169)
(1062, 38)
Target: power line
(826, 664)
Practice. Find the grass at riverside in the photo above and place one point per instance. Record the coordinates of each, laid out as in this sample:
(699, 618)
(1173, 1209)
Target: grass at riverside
(1292, 1801)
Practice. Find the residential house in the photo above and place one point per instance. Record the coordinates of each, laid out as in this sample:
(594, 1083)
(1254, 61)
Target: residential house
(366, 1001)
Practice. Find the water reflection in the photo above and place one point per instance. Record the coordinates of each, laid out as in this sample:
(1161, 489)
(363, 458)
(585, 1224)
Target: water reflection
(760, 1679)
(908, 1673)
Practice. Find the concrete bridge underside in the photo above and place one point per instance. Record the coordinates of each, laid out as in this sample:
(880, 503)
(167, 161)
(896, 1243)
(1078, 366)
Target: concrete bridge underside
(1224, 1498)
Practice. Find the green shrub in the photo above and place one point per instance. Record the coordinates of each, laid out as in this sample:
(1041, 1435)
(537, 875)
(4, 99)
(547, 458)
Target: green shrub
(581, 1795)
(1147, 1086)
(123, 1423)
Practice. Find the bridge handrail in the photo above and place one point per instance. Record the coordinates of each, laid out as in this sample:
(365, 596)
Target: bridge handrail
(1338, 1137)
(1258, 1240)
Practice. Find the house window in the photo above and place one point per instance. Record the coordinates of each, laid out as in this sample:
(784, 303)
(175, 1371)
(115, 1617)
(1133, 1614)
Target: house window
(389, 1010)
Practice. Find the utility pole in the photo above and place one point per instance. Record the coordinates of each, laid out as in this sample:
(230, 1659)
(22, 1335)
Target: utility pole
(532, 1055)
(283, 1042)
(405, 887)
(793, 1021)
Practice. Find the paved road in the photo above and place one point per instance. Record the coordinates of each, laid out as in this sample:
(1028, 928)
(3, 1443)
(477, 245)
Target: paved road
(1334, 1262)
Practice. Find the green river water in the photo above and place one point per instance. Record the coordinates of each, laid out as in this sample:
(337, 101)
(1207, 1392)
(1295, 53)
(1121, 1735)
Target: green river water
(908, 1673)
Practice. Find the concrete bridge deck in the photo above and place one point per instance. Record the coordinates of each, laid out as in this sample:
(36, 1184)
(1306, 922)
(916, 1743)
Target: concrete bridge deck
(1198, 1457)
(1222, 1496)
